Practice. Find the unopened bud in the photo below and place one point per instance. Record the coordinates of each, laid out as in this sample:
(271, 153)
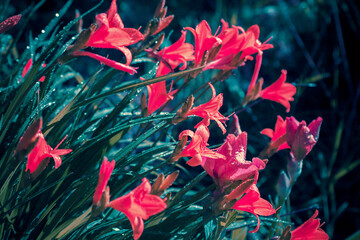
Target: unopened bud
(185, 108)
(294, 168)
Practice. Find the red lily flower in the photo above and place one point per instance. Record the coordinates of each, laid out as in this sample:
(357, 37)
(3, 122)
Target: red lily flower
(158, 95)
(210, 111)
(236, 45)
(172, 56)
(9, 23)
(28, 66)
(38, 158)
(233, 167)
(137, 205)
(197, 147)
(111, 33)
(204, 40)
(252, 202)
(280, 91)
(310, 230)
(234, 42)
(104, 176)
(302, 138)
(279, 131)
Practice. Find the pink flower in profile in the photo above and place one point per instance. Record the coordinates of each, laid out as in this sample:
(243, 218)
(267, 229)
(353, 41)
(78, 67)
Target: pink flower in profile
(111, 33)
(172, 56)
(280, 91)
(309, 230)
(233, 167)
(252, 202)
(279, 131)
(197, 147)
(104, 176)
(139, 204)
(210, 111)
(302, 138)
(158, 95)
(38, 158)
(204, 40)
(9, 23)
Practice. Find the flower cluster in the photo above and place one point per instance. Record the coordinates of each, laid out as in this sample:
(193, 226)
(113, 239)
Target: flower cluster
(234, 174)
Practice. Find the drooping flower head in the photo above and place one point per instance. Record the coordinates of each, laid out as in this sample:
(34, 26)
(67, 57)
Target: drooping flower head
(197, 147)
(309, 230)
(302, 138)
(139, 204)
(104, 176)
(210, 111)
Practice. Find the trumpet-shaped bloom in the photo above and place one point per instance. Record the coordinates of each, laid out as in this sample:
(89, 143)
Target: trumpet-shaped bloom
(9, 23)
(236, 40)
(104, 176)
(197, 147)
(279, 131)
(139, 204)
(172, 56)
(252, 202)
(280, 91)
(228, 49)
(302, 138)
(38, 158)
(233, 167)
(309, 230)
(111, 33)
(204, 40)
(210, 111)
(158, 95)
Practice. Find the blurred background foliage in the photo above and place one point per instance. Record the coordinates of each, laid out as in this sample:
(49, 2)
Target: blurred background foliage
(317, 42)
